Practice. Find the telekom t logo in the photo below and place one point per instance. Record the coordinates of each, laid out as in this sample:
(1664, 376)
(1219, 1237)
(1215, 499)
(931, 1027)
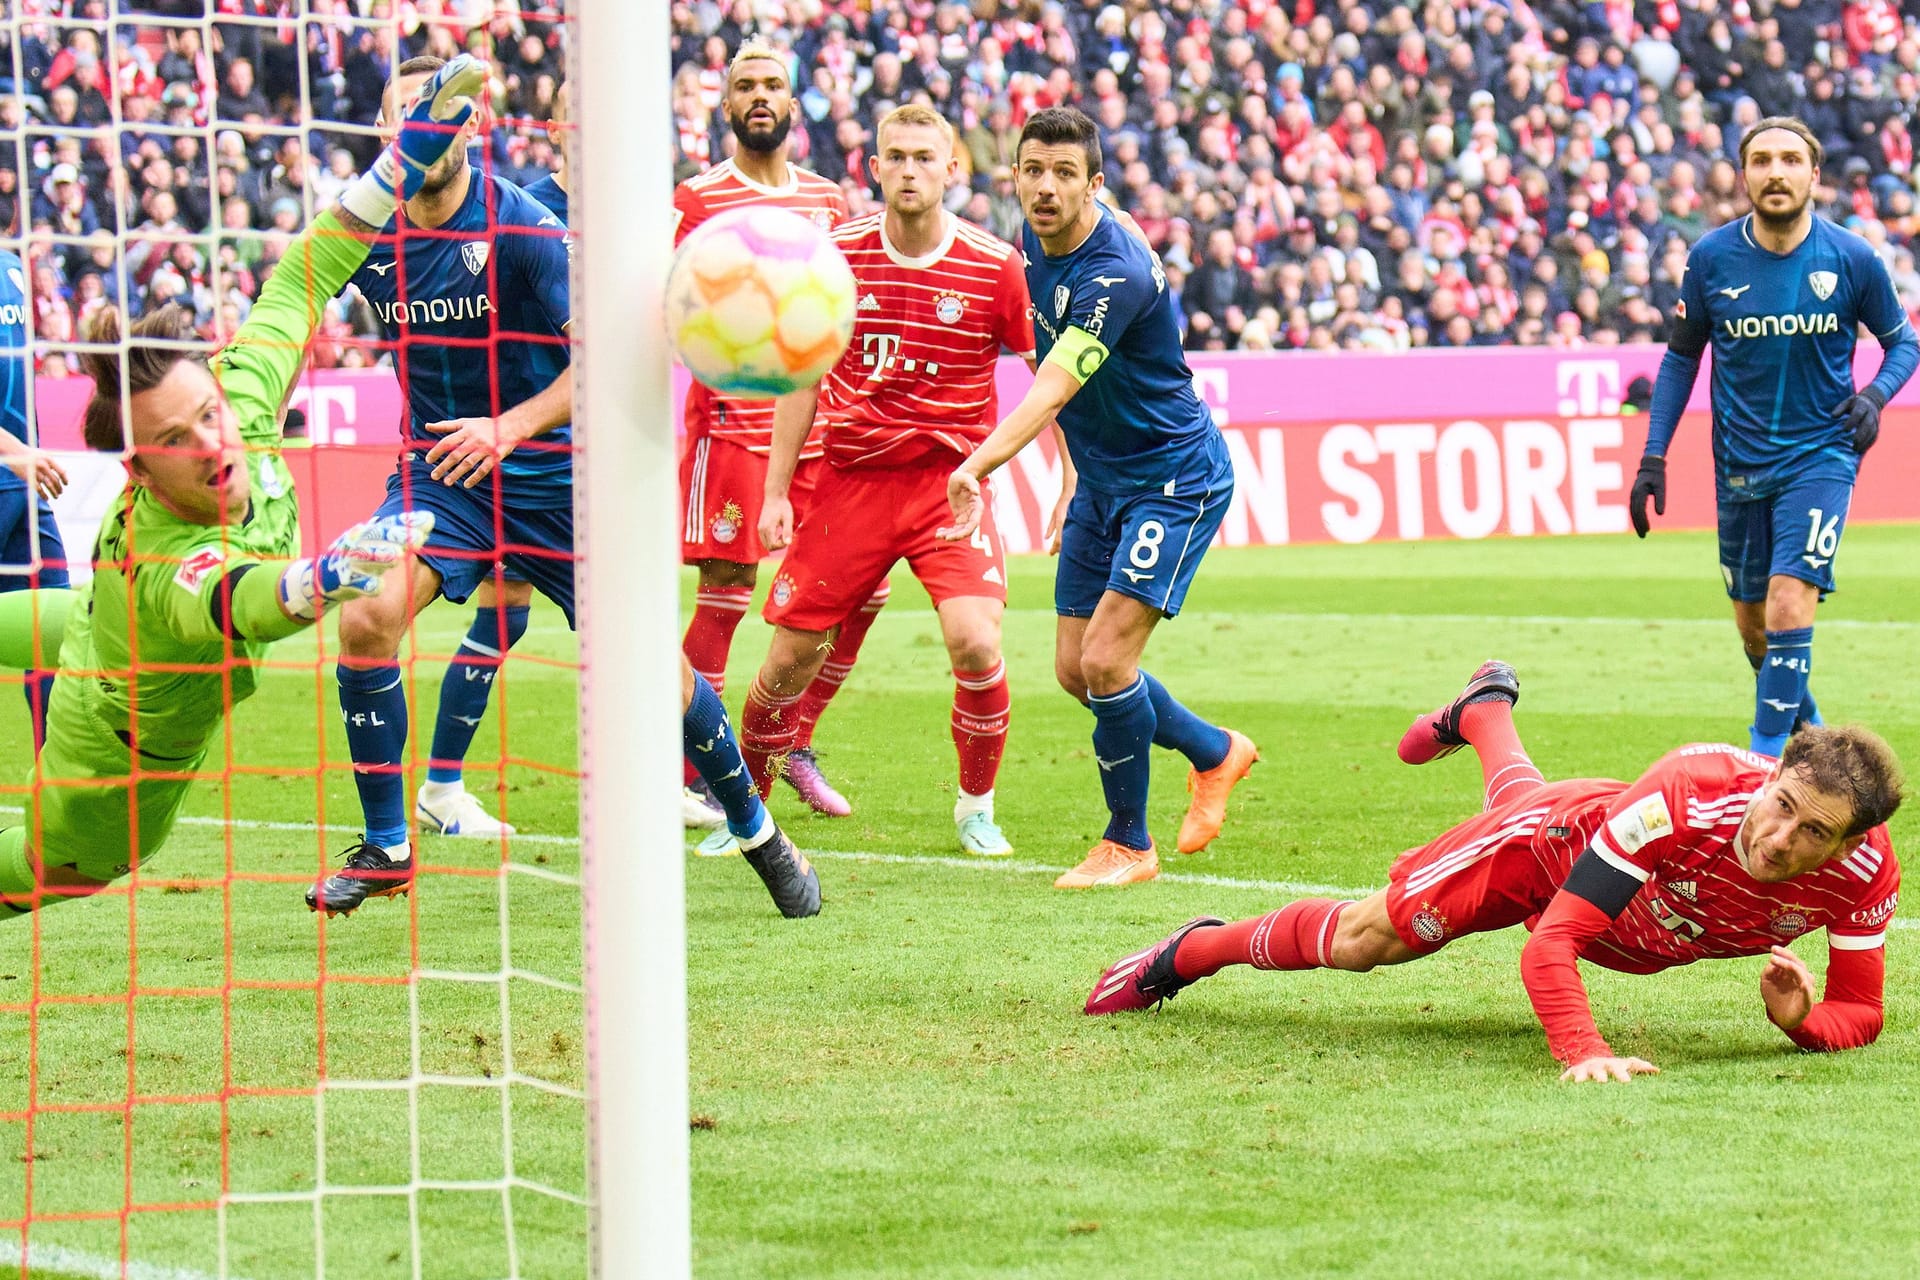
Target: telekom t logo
(879, 349)
(1588, 387)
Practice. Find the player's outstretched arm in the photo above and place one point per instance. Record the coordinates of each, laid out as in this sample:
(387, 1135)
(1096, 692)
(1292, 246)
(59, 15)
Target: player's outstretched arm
(792, 421)
(1053, 386)
(1850, 1014)
(1594, 895)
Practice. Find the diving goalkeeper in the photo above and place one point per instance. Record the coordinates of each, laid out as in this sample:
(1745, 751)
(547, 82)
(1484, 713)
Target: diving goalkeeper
(195, 572)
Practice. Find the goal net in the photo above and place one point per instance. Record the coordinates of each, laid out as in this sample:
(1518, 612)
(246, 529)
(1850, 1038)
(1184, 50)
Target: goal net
(199, 1077)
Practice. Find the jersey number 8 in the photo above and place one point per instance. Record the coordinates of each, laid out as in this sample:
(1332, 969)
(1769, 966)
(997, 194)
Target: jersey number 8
(1145, 552)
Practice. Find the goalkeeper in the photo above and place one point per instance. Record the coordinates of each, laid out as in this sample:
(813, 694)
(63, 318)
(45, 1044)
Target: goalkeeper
(195, 572)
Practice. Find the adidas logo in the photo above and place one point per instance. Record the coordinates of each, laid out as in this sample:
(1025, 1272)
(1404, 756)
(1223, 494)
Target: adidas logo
(1688, 889)
(869, 303)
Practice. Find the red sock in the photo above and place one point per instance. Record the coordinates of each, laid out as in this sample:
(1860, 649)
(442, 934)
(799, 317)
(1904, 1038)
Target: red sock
(1297, 936)
(981, 706)
(766, 733)
(1506, 770)
(716, 615)
(839, 665)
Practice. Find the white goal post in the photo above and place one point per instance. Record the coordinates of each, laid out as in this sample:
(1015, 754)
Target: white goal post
(630, 685)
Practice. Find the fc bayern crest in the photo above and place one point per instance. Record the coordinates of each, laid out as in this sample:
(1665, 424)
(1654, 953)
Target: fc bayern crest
(782, 590)
(1823, 283)
(723, 529)
(1060, 296)
(1429, 926)
(474, 254)
(823, 219)
(1790, 923)
(948, 308)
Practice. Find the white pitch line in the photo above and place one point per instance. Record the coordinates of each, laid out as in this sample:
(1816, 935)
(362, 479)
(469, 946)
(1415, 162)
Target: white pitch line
(51, 1259)
(1295, 888)
(1491, 619)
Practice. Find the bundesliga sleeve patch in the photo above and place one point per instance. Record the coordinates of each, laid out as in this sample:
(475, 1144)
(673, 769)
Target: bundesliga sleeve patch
(1647, 821)
(195, 568)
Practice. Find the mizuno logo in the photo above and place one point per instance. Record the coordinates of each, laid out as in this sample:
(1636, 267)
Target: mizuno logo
(1735, 293)
(380, 268)
(472, 722)
(1817, 562)
(1108, 766)
(1780, 706)
(1107, 282)
(869, 303)
(1136, 577)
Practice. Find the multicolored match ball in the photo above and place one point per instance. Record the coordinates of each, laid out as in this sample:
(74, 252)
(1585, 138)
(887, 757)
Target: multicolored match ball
(759, 302)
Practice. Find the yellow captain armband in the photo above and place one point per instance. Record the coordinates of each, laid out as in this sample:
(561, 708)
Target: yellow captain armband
(1079, 353)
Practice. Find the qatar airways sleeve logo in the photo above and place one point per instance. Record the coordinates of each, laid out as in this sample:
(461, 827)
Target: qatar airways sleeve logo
(1587, 387)
(1875, 916)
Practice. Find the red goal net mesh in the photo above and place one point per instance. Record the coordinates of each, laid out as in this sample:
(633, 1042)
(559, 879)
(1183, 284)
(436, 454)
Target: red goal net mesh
(200, 1077)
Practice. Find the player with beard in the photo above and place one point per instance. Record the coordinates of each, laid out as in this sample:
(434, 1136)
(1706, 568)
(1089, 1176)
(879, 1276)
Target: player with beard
(469, 281)
(723, 471)
(1780, 295)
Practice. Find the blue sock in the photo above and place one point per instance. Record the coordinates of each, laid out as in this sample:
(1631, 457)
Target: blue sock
(1178, 729)
(1809, 709)
(1780, 688)
(709, 743)
(1123, 731)
(373, 703)
(38, 688)
(468, 684)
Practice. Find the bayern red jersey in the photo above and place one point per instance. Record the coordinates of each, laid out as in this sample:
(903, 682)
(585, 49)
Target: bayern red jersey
(1676, 830)
(708, 413)
(917, 379)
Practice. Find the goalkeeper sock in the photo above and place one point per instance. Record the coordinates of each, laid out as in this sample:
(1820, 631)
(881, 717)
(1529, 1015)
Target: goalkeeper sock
(838, 666)
(1780, 688)
(708, 740)
(468, 684)
(38, 688)
(1506, 770)
(981, 709)
(1123, 726)
(1177, 729)
(1297, 936)
(17, 881)
(1809, 709)
(373, 703)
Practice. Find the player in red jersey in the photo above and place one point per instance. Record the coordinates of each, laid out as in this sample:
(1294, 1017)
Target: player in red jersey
(1714, 852)
(913, 395)
(723, 469)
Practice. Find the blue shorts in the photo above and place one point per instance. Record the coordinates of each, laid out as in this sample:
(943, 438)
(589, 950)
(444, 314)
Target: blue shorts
(16, 544)
(534, 545)
(1145, 545)
(1794, 533)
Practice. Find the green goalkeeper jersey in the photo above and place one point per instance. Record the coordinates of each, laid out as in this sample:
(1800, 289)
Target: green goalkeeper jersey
(164, 641)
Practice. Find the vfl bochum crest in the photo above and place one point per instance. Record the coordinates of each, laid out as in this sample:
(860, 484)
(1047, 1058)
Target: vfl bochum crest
(474, 254)
(1823, 283)
(1060, 296)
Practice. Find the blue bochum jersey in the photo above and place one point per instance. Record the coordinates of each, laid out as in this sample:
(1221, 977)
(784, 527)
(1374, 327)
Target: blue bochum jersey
(482, 326)
(15, 356)
(1136, 422)
(550, 193)
(1783, 329)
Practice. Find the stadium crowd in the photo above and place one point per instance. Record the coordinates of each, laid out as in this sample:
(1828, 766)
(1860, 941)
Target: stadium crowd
(1334, 174)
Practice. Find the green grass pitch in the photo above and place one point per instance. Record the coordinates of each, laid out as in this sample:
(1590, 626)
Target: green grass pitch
(905, 1086)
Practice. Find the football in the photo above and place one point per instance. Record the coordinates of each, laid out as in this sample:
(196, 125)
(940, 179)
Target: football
(759, 302)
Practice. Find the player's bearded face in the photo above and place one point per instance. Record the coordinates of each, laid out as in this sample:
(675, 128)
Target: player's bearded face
(1780, 174)
(1792, 828)
(187, 449)
(760, 106)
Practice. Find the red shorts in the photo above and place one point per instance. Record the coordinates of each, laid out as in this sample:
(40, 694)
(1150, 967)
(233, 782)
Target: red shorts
(722, 485)
(1498, 869)
(862, 522)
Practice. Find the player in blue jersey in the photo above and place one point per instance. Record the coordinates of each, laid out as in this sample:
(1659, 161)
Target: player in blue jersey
(23, 507)
(1154, 484)
(469, 281)
(1781, 296)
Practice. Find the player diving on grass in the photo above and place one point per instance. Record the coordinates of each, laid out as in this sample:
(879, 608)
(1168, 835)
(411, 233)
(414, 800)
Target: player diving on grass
(1780, 295)
(195, 569)
(469, 281)
(1154, 484)
(1712, 853)
(913, 395)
